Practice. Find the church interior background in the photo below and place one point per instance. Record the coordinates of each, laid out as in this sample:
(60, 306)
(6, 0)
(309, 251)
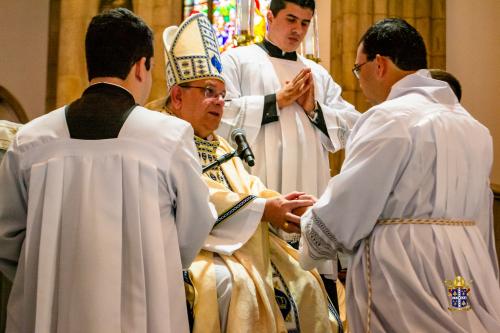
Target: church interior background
(43, 64)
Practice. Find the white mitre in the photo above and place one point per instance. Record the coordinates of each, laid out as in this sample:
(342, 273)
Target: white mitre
(191, 51)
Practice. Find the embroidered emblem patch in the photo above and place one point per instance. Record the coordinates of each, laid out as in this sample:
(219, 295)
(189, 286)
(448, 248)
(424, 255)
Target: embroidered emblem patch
(458, 294)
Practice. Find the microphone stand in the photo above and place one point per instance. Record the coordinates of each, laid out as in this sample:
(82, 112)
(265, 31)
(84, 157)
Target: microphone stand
(224, 158)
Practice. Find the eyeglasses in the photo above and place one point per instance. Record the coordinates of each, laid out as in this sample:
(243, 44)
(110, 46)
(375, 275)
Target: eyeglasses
(357, 67)
(209, 91)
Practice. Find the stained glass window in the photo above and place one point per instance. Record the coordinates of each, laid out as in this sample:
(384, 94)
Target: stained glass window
(224, 18)
(195, 6)
(222, 13)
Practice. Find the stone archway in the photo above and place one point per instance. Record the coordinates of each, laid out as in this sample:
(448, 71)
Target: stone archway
(10, 108)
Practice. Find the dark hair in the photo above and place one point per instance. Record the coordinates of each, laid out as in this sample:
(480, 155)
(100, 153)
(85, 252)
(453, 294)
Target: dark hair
(397, 39)
(116, 39)
(452, 81)
(277, 5)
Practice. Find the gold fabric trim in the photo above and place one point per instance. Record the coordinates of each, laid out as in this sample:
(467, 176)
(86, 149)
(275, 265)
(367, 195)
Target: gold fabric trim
(452, 222)
(207, 152)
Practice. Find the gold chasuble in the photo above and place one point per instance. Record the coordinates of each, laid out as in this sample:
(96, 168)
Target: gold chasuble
(8, 131)
(270, 292)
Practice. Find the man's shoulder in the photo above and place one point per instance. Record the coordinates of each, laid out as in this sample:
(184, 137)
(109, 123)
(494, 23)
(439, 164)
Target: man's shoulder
(153, 125)
(159, 118)
(388, 117)
(412, 111)
(312, 64)
(242, 51)
(50, 125)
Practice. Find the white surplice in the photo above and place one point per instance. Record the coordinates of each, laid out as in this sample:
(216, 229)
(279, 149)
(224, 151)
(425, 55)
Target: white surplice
(291, 154)
(95, 233)
(419, 154)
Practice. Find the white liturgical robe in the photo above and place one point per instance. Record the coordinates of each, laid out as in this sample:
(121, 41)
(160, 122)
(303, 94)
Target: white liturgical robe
(291, 154)
(418, 155)
(95, 233)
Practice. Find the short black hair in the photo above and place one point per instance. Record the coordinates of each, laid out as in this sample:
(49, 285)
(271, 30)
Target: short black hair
(277, 5)
(439, 74)
(116, 39)
(397, 39)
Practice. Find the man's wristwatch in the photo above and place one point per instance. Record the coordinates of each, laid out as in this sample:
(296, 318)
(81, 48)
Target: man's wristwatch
(314, 113)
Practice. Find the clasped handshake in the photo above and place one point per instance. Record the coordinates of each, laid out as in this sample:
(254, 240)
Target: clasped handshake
(284, 212)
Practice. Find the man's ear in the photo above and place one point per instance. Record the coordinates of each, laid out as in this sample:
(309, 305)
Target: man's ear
(176, 97)
(382, 65)
(140, 69)
(270, 16)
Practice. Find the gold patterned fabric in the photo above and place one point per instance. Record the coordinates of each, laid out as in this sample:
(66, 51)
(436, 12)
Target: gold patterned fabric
(8, 131)
(207, 151)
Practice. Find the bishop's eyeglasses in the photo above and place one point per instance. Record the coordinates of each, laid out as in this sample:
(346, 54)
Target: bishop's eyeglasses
(209, 91)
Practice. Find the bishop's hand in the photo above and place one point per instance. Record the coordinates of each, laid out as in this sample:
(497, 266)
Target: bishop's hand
(301, 210)
(278, 211)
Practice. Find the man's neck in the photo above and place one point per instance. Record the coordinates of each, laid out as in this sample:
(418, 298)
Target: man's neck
(269, 39)
(276, 52)
(112, 81)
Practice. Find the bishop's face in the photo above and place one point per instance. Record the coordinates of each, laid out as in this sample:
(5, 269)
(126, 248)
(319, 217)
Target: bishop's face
(202, 105)
(287, 29)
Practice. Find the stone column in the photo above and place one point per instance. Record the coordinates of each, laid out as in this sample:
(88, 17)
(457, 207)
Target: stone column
(75, 15)
(159, 14)
(71, 69)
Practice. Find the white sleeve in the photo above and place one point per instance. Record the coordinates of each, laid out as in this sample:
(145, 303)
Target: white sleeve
(339, 115)
(194, 214)
(13, 214)
(347, 211)
(235, 227)
(239, 111)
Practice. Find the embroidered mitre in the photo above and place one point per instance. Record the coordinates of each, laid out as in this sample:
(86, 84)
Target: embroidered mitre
(191, 51)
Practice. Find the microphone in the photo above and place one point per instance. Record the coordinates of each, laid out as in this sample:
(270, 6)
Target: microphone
(244, 151)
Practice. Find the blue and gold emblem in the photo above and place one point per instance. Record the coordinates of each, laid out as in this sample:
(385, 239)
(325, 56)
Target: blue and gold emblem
(458, 294)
